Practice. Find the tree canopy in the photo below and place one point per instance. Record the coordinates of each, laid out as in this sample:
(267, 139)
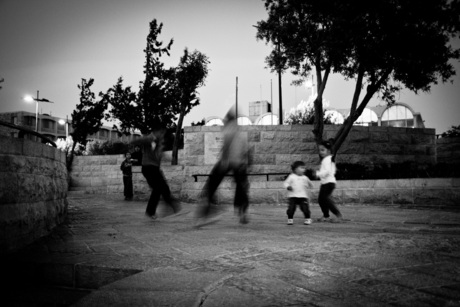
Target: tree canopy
(88, 115)
(165, 95)
(454, 132)
(190, 74)
(383, 45)
(152, 108)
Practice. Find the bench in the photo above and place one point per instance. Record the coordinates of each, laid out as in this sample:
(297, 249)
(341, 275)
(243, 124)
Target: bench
(195, 176)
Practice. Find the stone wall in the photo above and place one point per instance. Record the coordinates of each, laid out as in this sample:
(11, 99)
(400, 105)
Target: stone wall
(274, 148)
(33, 191)
(102, 175)
(433, 192)
(448, 150)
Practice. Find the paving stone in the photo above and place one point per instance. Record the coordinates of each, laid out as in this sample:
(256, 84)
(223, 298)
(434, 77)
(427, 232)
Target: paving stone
(382, 255)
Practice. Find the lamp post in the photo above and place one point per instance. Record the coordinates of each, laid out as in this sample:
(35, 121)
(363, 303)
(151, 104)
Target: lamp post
(29, 98)
(66, 123)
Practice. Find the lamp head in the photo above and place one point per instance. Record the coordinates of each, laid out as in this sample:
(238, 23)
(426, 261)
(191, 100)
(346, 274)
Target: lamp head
(28, 98)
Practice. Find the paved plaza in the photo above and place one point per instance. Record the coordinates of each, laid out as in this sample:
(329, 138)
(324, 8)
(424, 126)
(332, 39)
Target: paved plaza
(110, 254)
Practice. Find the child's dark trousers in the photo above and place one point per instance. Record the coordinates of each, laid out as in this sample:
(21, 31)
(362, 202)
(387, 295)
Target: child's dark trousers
(128, 186)
(325, 200)
(303, 205)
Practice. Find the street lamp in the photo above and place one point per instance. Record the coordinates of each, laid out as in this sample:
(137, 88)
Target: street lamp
(29, 98)
(66, 123)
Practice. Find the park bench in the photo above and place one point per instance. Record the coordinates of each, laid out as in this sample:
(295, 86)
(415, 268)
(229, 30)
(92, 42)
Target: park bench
(195, 176)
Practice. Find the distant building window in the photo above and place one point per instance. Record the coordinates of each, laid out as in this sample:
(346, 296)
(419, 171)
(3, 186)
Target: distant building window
(215, 122)
(267, 119)
(46, 124)
(398, 116)
(244, 121)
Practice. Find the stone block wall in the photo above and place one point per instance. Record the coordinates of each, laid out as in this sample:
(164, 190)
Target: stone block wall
(102, 175)
(274, 148)
(33, 191)
(448, 150)
(432, 192)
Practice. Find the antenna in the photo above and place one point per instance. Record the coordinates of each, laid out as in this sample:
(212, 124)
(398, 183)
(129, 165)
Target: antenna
(236, 101)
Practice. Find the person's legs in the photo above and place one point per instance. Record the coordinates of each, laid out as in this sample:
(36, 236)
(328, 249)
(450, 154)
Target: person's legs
(150, 173)
(165, 191)
(305, 207)
(125, 187)
(210, 188)
(128, 187)
(241, 200)
(330, 202)
(292, 204)
(322, 200)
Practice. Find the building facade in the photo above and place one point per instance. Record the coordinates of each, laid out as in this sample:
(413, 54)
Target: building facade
(55, 127)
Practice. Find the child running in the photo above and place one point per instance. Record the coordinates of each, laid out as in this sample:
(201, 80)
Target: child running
(326, 175)
(297, 185)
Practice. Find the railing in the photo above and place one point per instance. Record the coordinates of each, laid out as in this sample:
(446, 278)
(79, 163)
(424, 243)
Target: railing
(23, 131)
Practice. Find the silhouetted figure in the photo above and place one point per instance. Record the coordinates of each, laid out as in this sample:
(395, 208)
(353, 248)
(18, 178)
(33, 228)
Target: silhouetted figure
(233, 158)
(127, 177)
(152, 150)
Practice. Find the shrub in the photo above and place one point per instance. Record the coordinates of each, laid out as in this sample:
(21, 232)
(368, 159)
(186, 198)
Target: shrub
(346, 171)
(107, 148)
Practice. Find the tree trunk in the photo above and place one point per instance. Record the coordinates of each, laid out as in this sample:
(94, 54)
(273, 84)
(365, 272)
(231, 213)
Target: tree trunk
(318, 125)
(175, 151)
(70, 161)
(348, 124)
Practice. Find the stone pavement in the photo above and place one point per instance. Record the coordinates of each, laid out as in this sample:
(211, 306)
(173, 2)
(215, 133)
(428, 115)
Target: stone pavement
(110, 254)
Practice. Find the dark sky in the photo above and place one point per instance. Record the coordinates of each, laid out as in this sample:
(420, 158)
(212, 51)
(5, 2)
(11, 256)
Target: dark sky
(49, 45)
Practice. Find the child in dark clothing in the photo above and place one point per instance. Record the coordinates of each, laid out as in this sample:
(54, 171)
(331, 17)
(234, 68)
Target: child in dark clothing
(127, 177)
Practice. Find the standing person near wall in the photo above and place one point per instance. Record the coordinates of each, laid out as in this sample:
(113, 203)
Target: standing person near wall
(233, 157)
(152, 150)
(127, 177)
(326, 175)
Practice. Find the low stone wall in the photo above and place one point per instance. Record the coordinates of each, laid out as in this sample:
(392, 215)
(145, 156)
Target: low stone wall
(274, 148)
(33, 191)
(102, 175)
(433, 192)
(448, 150)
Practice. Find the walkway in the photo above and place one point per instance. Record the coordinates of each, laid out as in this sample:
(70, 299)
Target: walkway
(110, 254)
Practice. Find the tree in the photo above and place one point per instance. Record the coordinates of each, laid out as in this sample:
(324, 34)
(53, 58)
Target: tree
(87, 117)
(383, 46)
(304, 114)
(452, 133)
(199, 123)
(164, 93)
(189, 76)
(1, 81)
(152, 108)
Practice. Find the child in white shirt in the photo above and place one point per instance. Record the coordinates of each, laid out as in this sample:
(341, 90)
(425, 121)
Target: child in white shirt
(326, 175)
(297, 185)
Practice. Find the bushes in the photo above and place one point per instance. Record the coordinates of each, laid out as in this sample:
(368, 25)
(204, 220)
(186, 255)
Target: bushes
(346, 171)
(107, 148)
